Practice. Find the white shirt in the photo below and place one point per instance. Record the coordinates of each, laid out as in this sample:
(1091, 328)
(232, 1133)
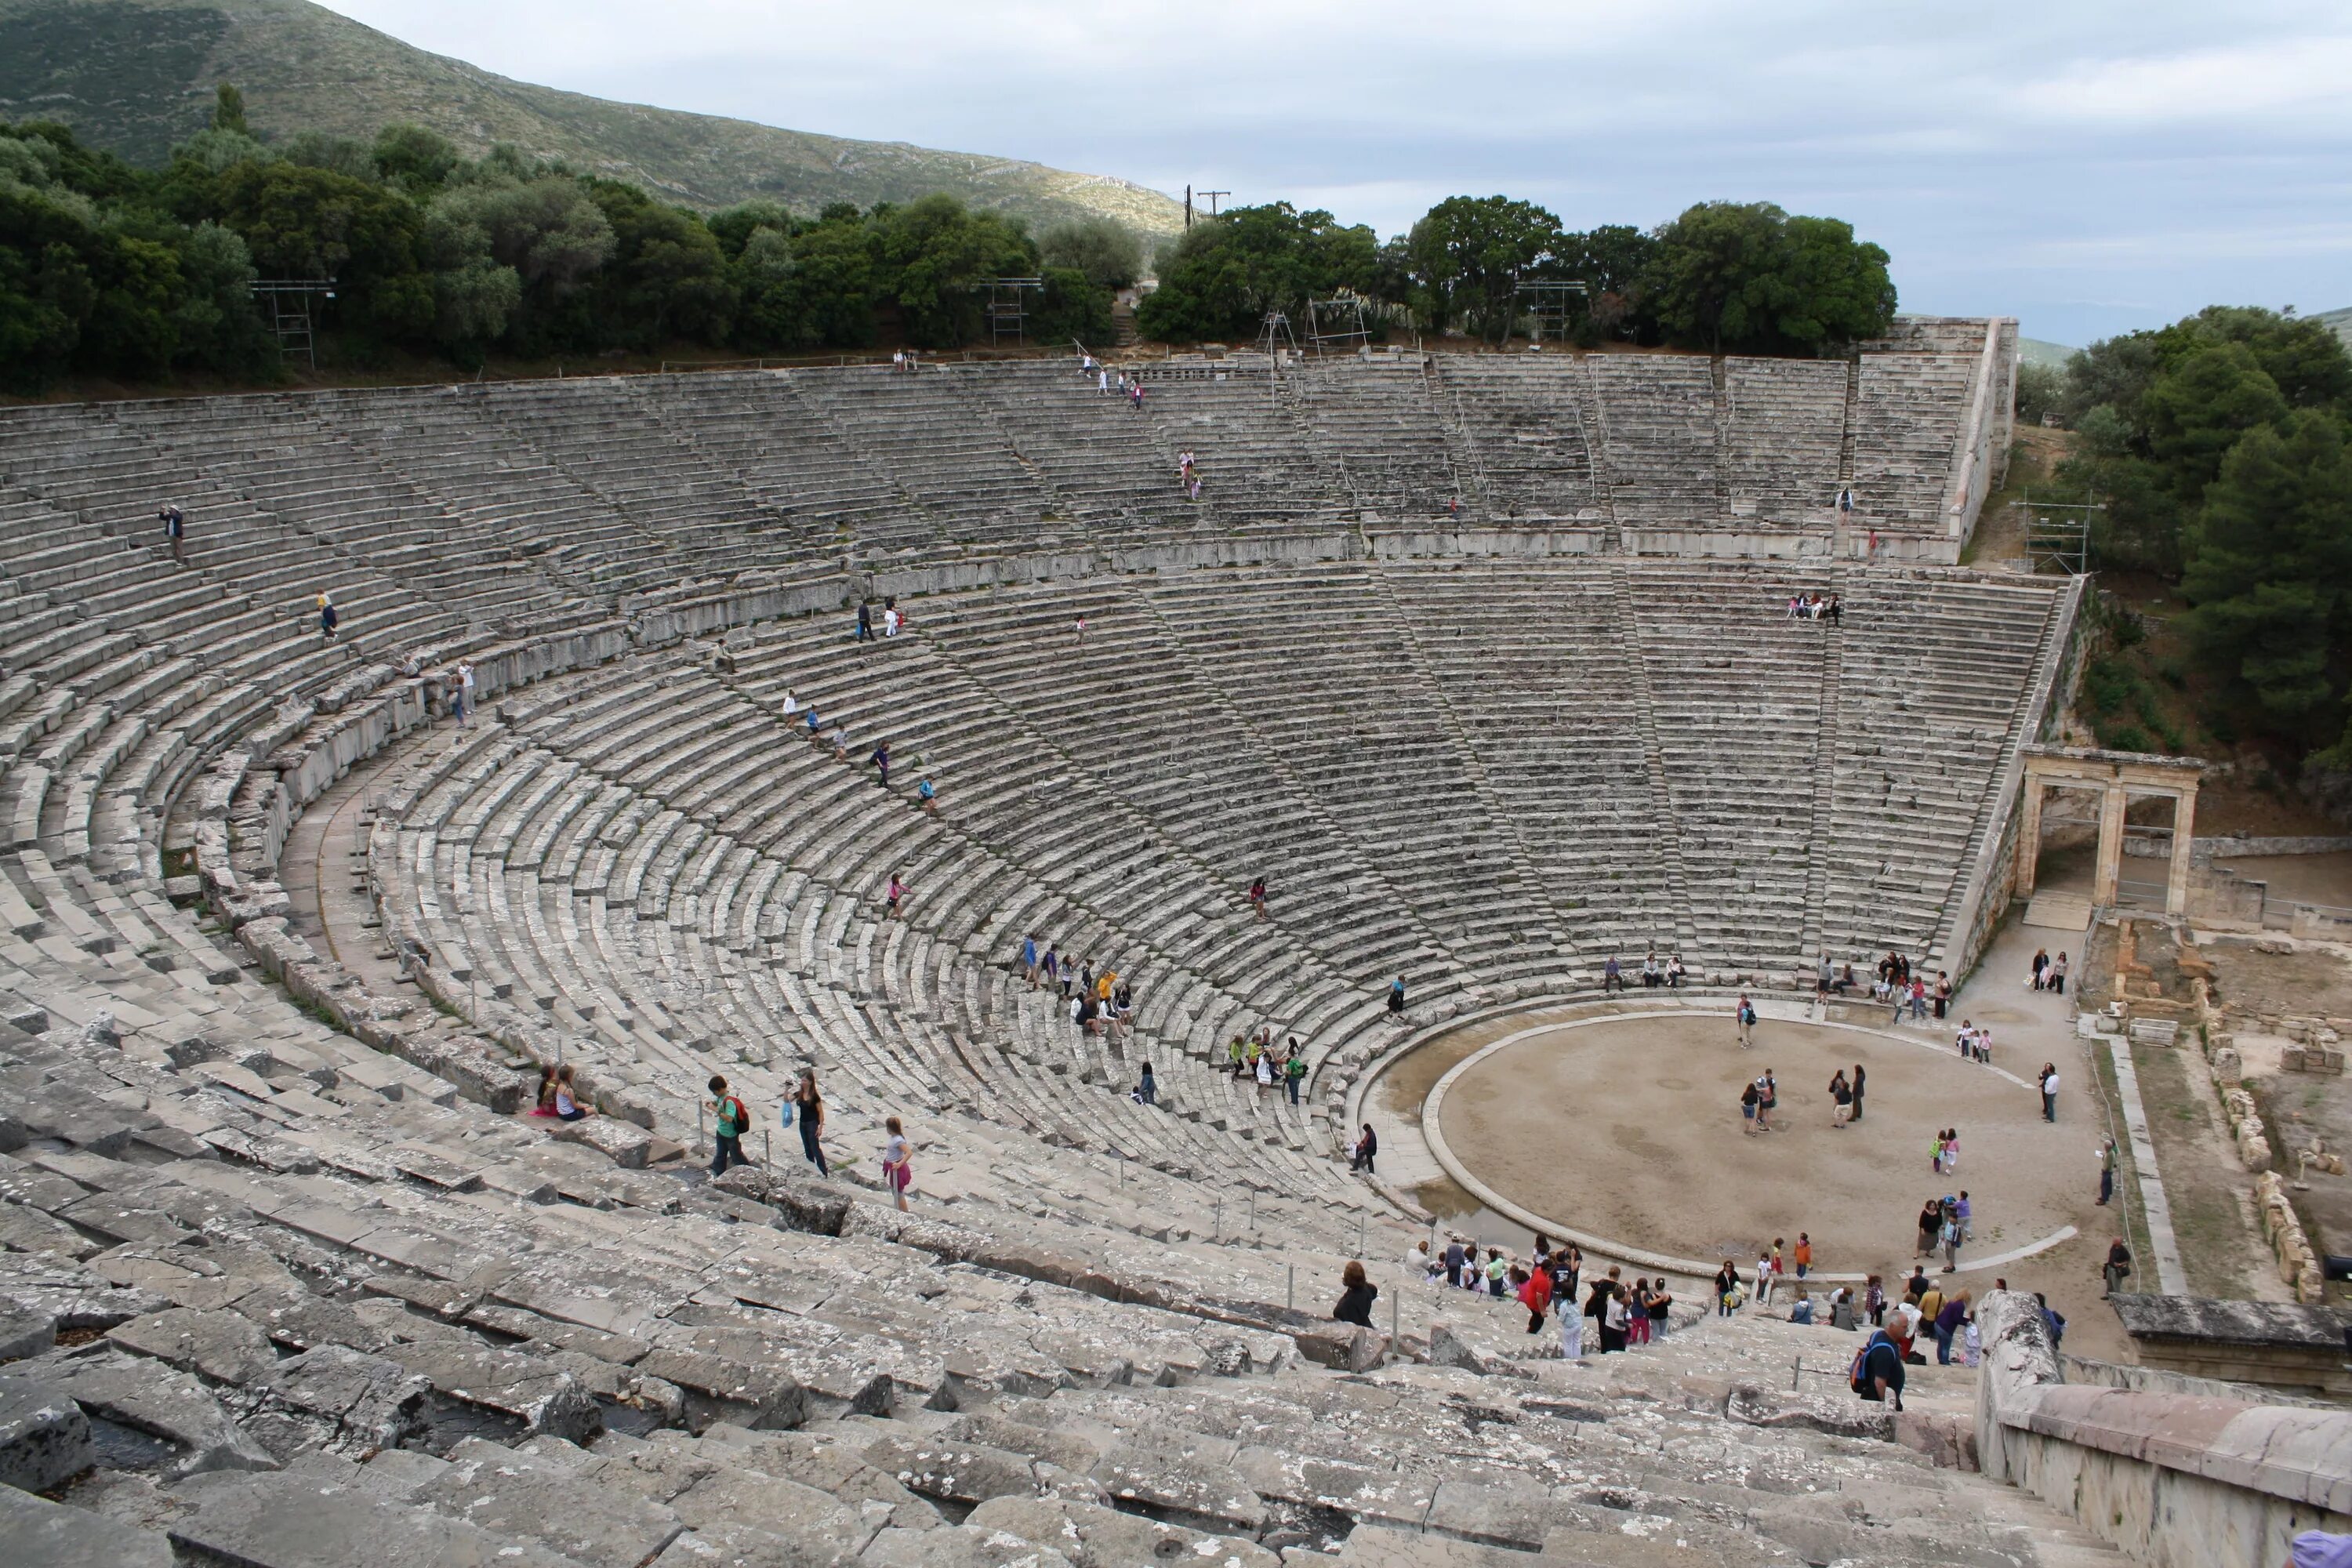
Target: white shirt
(2049, 1084)
(791, 705)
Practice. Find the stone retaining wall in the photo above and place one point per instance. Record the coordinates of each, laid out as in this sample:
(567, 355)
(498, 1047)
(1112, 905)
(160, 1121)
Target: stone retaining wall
(2173, 1480)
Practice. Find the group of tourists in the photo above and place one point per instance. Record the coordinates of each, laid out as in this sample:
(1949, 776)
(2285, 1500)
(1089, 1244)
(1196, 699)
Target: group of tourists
(1945, 1225)
(1256, 1058)
(1623, 1316)
(1097, 1003)
(1188, 473)
(1654, 974)
(2049, 973)
(835, 739)
(893, 619)
(1816, 607)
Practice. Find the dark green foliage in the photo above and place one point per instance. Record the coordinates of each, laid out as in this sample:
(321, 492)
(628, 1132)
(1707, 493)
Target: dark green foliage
(1733, 276)
(1468, 255)
(2039, 389)
(1227, 272)
(2219, 446)
(1109, 257)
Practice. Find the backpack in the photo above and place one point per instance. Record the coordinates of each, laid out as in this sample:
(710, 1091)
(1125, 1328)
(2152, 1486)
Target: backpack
(733, 1118)
(1858, 1376)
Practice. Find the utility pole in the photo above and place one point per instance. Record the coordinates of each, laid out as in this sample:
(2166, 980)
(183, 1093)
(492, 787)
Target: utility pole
(1213, 196)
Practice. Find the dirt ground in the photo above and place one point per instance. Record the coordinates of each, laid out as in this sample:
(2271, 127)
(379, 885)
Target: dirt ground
(2298, 879)
(1631, 1131)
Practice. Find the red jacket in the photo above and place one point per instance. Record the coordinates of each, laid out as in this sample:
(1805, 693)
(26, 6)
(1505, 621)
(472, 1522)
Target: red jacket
(1536, 1294)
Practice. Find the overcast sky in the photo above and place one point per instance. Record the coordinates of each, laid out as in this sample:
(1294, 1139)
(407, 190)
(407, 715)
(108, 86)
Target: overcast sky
(2088, 165)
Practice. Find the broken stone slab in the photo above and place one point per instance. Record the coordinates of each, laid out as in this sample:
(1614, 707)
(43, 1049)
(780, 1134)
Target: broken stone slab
(1447, 1347)
(958, 1546)
(150, 1397)
(1843, 1418)
(780, 1507)
(44, 1534)
(832, 1459)
(961, 1474)
(1191, 1492)
(219, 1346)
(333, 1399)
(44, 1436)
(523, 1391)
(530, 1497)
(1092, 1537)
(625, 1143)
(719, 1389)
(288, 1521)
(25, 1332)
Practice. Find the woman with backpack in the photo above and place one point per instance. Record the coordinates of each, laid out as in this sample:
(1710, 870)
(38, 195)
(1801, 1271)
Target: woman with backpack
(727, 1128)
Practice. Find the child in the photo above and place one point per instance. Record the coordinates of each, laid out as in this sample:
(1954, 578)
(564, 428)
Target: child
(1951, 1150)
(1971, 1339)
(1804, 1254)
(1935, 1151)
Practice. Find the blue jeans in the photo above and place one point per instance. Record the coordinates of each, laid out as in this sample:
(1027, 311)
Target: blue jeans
(1294, 1090)
(1943, 1346)
(730, 1148)
(814, 1155)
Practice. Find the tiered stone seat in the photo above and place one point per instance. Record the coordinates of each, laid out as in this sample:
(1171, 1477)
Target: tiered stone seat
(1909, 410)
(1240, 421)
(1783, 431)
(1376, 423)
(1658, 417)
(1524, 423)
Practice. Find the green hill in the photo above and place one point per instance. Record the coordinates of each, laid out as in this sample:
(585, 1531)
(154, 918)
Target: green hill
(2038, 351)
(136, 76)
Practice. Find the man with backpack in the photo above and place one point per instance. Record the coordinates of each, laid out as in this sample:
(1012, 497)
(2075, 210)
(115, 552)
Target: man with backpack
(1877, 1371)
(732, 1119)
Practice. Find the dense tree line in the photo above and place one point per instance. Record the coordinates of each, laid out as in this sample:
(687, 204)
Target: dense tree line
(112, 270)
(2221, 448)
(1724, 276)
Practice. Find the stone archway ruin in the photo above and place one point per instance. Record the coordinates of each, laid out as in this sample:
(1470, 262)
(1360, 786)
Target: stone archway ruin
(2118, 777)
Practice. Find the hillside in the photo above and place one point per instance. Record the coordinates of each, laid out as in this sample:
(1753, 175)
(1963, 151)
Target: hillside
(2340, 322)
(135, 75)
(2039, 351)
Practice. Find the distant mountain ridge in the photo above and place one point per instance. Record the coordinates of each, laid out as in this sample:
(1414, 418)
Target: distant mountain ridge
(136, 76)
(2340, 322)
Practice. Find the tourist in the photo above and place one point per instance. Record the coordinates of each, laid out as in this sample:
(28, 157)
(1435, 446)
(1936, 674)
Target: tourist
(1845, 503)
(1767, 1096)
(1804, 1254)
(1802, 1311)
(894, 896)
(865, 621)
(1637, 1314)
(1749, 1094)
(1845, 980)
(815, 728)
(1264, 1074)
(2041, 968)
(1825, 977)
(891, 617)
(926, 796)
(1674, 973)
(2049, 1084)
(1082, 631)
(1836, 611)
(1029, 958)
(1257, 895)
(1953, 1312)
(838, 739)
(1614, 1320)
(1498, 1273)
(1147, 1091)
(898, 1162)
(1765, 1278)
(1920, 998)
(1935, 1151)
(567, 1102)
(1931, 1223)
(2118, 1267)
(1652, 975)
(1743, 1014)
(1572, 1323)
(1840, 1099)
(464, 690)
(1877, 1373)
(1535, 1295)
(1294, 1071)
(2107, 1171)
(806, 1109)
(1357, 1296)
(1396, 1000)
(881, 761)
(1951, 1150)
(1963, 1212)
(542, 1100)
(792, 706)
(1418, 1263)
(1454, 1262)
(2053, 1318)
(1857, 1093)
(1727, 1288)
(327, 618)
(1948, 1234)
(1661, 1304)
(1965, 1041)
(176, 529)
(1612, 976)
(1943, 993)
(1367, 1146)
(729, 1119)
(1873, 1300)
(1049, 969)
(2058, 976)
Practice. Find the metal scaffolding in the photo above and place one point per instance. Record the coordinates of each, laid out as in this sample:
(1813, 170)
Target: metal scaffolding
(1336, 325)
(1551, 305)
(286, 306)
(2058, 533)
(1008, 306)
